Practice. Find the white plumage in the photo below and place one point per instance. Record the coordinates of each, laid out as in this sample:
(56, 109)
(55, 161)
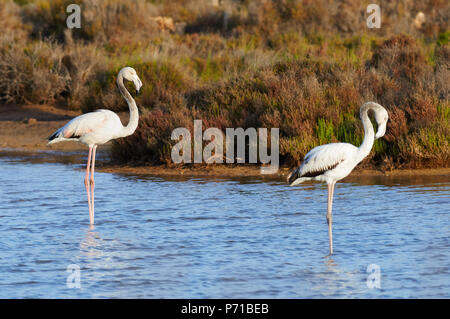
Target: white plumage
(99, 127)
(330, 163)
(321, 162)
(91, 128)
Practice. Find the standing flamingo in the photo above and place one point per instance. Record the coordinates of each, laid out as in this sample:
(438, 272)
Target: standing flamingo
(99, 127)
(332, 162)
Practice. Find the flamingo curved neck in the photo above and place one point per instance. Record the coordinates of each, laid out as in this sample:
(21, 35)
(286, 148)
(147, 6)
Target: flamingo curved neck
(369, 134)
(134, 113)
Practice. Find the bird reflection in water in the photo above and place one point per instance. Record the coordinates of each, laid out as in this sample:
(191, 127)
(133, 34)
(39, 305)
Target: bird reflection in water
(91, 245)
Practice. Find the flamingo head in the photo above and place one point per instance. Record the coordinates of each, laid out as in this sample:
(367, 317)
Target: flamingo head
(381, 117)
(129, 74)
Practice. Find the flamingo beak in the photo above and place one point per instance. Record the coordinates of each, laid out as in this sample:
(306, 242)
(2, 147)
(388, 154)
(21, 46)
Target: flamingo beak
(381, 117)
(138, 85)
(381, 130)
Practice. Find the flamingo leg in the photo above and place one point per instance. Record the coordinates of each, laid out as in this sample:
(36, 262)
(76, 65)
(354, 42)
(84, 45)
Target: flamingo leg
(329, 214)
(92, 182)
(87, 184)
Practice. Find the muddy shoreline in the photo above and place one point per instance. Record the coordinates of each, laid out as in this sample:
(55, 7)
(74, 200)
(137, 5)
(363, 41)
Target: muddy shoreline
(76, 154)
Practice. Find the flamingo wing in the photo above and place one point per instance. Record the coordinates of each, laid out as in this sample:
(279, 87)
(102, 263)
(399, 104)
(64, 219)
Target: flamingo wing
(321, 159)
(83, 124)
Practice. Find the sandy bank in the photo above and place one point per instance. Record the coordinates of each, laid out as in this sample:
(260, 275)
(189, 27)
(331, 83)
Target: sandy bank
(254, 171)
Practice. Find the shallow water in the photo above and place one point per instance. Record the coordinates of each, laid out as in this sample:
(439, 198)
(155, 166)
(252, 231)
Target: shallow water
(217, 238)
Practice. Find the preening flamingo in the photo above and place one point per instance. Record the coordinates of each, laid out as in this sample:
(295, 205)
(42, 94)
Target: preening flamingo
(99, 127)
(330, 163)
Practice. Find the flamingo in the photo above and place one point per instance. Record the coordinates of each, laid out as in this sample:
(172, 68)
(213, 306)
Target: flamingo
(330, 163)
(99, 127)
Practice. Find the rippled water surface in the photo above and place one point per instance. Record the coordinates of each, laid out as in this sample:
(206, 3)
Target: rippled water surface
(217, 238)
